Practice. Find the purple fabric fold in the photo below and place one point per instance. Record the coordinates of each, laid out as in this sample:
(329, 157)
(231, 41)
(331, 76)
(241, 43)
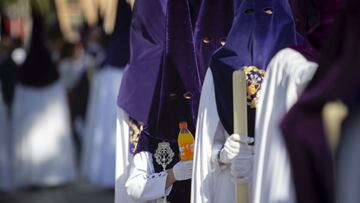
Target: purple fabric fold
(318, 33)
(303, 130)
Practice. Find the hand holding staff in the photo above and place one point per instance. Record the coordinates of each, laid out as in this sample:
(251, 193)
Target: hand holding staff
(240, 124)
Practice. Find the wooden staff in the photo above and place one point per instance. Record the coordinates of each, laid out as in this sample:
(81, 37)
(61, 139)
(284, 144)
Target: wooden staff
(240, 124)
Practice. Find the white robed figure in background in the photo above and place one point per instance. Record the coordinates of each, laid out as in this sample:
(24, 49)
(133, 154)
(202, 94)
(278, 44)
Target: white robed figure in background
(99, 140)
(5, 159)
(10, 61)
(41, 144)
(223, 158)
(98, 163)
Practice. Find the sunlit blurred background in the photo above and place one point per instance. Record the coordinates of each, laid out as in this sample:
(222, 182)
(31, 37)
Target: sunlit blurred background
(70, 14)
(53, 147)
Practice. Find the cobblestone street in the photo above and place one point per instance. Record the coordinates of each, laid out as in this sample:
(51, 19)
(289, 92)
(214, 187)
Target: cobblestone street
(78, 193)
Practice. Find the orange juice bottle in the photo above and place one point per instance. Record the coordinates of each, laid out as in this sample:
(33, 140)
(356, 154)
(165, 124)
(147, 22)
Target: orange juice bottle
(185, 142)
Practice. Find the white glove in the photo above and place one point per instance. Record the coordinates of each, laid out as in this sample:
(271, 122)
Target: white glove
(233, 147)
(242, 165)
(183, 170)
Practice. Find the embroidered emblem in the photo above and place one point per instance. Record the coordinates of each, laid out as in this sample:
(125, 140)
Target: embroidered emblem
(135, 129)
(164, 154)
(254, 78)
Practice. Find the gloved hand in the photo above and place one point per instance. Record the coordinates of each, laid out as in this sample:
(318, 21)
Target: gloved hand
(242, 165)
(233, 146)
(183, 170)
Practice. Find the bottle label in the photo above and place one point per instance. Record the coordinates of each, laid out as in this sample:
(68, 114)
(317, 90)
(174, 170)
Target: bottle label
(186, 151)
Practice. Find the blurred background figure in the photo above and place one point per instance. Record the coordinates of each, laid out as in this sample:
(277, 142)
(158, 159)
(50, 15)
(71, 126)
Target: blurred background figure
(94, 41)
(71, 66)
(98, 154)
(80, 60)
(60, 71)
(9, 61)
(74, 67)
(42, 148)
(5, 170)
(11, 57)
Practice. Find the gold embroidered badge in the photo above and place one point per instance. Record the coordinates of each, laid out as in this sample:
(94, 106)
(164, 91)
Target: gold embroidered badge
(135, 130)
(254, 78)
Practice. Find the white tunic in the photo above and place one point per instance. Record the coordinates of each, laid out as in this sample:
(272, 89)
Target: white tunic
(42, 146)
(143, 184)
(287, 75)
(210, 182)
(123, 157)
(98, 161)
(136, 180)
(5, 161)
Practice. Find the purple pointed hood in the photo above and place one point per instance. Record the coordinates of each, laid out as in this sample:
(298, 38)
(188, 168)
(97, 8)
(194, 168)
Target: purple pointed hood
(38, 69)
(259, 30)
(118, 47)
(211, 29)
(147, 38)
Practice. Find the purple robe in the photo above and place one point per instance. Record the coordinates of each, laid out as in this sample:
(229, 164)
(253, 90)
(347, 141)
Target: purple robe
(303, 131)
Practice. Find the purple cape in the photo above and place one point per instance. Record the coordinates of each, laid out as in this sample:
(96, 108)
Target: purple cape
(38, 69)
(303, 131)
(260, 29)
(118, 48)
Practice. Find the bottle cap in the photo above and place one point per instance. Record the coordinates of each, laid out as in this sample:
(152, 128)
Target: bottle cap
(183, 124)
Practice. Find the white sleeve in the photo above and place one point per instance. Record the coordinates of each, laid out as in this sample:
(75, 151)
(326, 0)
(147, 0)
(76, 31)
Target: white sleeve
(123, 157)
(208, 176)
(143, 183)
(219, 140)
